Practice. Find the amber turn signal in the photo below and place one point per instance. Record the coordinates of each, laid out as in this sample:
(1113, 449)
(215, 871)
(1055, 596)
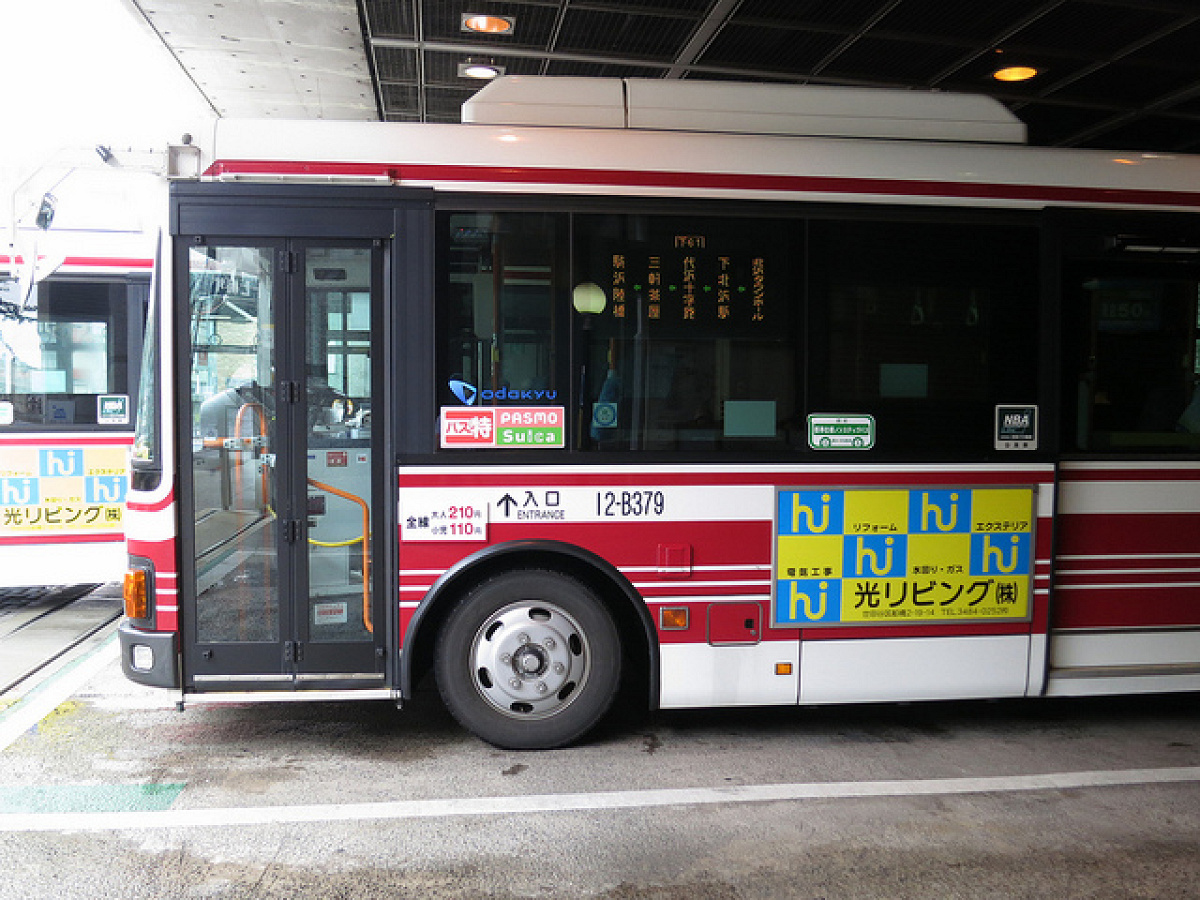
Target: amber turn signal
(673, 618)
(137, 603)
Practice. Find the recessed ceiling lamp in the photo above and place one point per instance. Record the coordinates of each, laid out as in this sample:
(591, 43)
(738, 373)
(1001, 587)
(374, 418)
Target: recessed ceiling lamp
(479, 70)
(1015, 73)
(485, 24)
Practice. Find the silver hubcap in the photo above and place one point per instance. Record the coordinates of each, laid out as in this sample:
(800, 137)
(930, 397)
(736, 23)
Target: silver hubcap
(530, 660)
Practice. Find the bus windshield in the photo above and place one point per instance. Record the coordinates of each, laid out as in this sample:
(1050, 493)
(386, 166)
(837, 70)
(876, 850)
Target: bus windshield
(64, 357)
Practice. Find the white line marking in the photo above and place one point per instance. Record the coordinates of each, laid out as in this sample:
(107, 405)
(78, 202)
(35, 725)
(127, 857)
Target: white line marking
(52, 693)
(583, 802)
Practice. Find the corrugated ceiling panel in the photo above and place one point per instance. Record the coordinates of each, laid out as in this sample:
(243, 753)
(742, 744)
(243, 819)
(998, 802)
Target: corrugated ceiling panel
(1094, 29)
(956, 21)
(624, 34)
(772, 49)
(392, 64)
(389, 18)
(891, 62)
(842, 14)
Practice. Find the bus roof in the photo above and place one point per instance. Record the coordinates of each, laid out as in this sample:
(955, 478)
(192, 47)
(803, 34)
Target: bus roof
(730, 107)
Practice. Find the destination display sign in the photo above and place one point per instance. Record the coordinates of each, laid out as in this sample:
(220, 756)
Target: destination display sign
(691, 279)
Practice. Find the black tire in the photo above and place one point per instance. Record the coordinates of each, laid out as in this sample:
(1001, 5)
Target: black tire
(528, 660)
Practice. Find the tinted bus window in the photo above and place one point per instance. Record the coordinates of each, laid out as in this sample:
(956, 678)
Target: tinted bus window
(1135, 369)
(706, 334)
(926, 327)
(501, 297)
(690, 344)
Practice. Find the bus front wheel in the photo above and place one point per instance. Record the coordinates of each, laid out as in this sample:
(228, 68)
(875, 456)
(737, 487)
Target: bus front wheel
(528, 660)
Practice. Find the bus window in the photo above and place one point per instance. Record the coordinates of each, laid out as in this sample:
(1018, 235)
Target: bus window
(497, 296)
(690, 345)
(58, 360)
(1138, 376)
(925, 326)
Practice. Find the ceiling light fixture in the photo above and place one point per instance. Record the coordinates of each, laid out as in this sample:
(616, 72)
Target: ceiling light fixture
(1015, 73)
(479, 70)
(485, 24)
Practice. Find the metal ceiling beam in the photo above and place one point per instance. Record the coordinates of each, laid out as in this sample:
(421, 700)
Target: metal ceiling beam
(495, 50)
(1127, 50)
(855, 37)
(717, 17)
(560, 18)
(994, 42)
(1132, 115)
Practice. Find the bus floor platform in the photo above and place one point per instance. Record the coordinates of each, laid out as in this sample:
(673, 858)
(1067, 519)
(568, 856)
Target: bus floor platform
(40, 624)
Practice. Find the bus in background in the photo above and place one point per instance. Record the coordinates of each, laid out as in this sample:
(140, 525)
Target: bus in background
(734, 394)
(75, 276)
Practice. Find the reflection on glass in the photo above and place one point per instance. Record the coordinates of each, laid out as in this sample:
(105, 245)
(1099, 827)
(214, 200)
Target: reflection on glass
(233, 444)
(1139, 382)
(338, 391)
(691, 351)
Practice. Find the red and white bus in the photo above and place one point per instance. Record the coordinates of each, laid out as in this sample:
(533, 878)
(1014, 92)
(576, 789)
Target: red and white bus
(75, 279)
(730, 394)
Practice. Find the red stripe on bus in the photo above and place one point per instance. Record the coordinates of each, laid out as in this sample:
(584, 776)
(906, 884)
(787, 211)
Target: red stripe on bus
(1106, 476)
(1106, 534)
(42, 440)
(1151, 607)
(106, 537)
(157, 506)
(94, 262)
(726, 181)
(106, 262)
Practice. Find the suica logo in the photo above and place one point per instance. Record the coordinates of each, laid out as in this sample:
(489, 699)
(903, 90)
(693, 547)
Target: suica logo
(468, 394)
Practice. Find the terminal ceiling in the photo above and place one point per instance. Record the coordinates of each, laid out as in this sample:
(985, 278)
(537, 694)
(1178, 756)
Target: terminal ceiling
(1114, 74)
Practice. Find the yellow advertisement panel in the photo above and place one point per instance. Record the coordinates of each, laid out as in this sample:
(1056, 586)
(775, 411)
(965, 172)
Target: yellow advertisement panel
(62, 490)
(881, 556)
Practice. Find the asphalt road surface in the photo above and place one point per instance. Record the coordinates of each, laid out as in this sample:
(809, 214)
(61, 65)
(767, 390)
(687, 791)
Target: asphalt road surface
(106, 791)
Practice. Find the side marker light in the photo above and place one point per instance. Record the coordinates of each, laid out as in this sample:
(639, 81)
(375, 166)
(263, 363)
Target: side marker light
(673, 618)
(137, 604)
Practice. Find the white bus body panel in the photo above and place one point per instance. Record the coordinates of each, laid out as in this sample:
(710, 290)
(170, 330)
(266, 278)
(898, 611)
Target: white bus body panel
(924, 668)
(696, 675)
(85, 562)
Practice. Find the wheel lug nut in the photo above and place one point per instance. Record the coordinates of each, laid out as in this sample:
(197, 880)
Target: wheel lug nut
(505, 658)
(549, 643)
(514, 683)
(559, 668)
(523, 638)
(541, 687)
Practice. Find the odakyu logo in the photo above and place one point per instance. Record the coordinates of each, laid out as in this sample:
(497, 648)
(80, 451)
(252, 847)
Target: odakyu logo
(469, 395)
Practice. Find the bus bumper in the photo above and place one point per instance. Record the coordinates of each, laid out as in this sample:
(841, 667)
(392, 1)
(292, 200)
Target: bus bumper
(149, 657)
